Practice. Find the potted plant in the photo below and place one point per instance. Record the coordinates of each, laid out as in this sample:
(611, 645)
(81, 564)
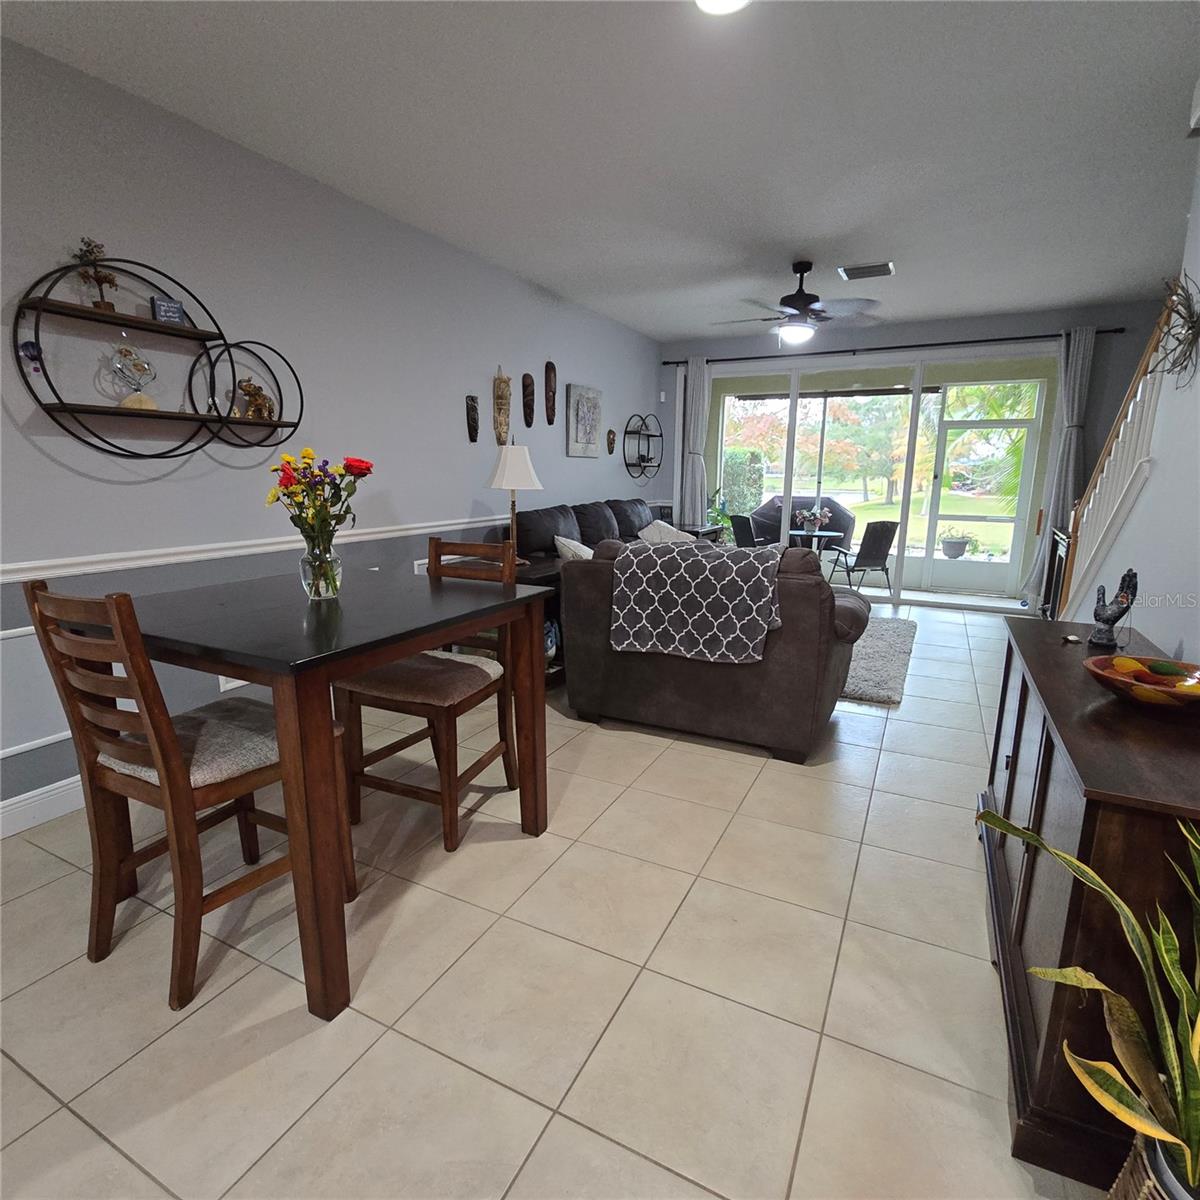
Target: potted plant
(90, 253)
(317, 498)
(957, 542)
(1158, 1095)
(813, 518)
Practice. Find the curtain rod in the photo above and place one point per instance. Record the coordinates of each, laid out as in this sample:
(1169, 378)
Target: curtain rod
(1033, 337)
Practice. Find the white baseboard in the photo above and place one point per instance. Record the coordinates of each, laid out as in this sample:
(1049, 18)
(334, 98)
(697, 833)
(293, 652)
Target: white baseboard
(19, 813)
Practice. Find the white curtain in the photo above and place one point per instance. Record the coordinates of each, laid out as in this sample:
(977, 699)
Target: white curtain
(1064, 463)
(694, 497)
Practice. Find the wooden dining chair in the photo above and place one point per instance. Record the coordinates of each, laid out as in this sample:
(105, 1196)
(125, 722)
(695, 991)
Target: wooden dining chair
(199, 768)
(439, 686)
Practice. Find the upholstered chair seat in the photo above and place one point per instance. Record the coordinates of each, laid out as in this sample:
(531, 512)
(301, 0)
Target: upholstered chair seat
(435, 677)
(228, 737)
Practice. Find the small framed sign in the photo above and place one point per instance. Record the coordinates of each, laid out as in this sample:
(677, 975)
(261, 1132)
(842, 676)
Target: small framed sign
(169, 311)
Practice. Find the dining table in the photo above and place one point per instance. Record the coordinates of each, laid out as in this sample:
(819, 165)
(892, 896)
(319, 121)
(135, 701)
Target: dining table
(266, 631)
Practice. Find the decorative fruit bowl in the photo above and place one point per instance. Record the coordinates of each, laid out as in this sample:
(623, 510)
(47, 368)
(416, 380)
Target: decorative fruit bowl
(1160, 681)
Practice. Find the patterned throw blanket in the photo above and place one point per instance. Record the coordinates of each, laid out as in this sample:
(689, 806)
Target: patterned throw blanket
(695, 600)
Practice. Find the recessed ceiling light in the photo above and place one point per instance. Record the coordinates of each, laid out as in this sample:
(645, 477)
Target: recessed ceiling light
(721, 8)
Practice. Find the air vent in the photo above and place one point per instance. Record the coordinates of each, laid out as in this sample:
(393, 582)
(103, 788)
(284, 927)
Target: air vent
(867, 271)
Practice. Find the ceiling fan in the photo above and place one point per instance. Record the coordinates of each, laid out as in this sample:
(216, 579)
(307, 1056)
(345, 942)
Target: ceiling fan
(798, 314)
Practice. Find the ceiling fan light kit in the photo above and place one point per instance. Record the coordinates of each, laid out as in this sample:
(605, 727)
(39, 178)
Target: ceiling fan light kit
(796, 317)
(794, 334)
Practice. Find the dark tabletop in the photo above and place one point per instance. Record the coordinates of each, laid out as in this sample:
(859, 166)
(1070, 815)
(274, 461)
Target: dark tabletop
(818, 533)
(268, 624)
(1124, 752)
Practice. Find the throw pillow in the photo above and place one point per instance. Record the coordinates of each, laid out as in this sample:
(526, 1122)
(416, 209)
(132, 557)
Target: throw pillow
(568, 549)
(658, 533)
(632, 516)
(596, 522)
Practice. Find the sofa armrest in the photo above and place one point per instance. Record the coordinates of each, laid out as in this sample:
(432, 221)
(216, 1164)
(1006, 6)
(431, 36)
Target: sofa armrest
(851, 612)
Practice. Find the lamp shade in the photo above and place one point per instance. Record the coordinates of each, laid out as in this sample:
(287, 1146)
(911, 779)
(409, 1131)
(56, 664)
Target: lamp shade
(514, 472)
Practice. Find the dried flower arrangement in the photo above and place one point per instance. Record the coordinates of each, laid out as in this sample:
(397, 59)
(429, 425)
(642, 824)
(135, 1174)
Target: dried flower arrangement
(90, 253)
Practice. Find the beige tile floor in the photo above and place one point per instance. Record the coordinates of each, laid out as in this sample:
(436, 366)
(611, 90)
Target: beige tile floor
(715, 974)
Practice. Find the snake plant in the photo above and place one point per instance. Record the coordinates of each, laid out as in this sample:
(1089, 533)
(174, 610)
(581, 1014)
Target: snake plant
(1159, 1093)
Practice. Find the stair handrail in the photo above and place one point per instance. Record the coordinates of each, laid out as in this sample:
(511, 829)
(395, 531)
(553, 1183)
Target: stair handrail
(1146, 364)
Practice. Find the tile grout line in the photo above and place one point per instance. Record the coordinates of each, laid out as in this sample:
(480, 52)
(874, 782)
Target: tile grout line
(812, 1077)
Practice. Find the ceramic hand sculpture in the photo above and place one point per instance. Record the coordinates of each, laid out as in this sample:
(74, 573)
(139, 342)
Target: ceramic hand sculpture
(1107, 615)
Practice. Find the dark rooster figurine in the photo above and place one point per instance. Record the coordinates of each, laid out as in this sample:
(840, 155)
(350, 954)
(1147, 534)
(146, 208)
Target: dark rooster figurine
(1107, 615)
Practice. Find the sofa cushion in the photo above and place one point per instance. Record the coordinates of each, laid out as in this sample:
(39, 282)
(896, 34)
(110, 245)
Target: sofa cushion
(538, 527)
(568, 549)
(658, 533)
(596, 523)
(632, 516)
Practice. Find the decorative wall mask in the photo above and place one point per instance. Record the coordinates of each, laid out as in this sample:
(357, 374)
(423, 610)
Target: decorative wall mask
(551, 388)
(473, 418)
(611, 438)
(527, 399)
(583, 421)
(501, 405)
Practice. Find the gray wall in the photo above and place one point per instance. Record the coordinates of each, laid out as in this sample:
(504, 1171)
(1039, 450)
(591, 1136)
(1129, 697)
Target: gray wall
(1160, 537)
(388, 328)
(1112, 367)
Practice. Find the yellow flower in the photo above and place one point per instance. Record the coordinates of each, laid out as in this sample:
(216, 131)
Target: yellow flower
(274, 466)
(286, 458)
(308, 452)
(272, 496)
(337, 470)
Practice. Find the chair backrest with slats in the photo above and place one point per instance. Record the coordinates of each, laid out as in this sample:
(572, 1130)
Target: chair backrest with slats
(485, 560)
(83, 639)
(876, 545)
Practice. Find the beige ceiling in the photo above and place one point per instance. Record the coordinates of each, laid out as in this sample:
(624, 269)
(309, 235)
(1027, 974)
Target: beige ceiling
(660, 166)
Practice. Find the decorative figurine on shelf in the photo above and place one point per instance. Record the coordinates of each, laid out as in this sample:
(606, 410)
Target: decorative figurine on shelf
(130, 367)
(90, 252)
(1107, 615)
(501, 406)
(259, 406)
(32, 355)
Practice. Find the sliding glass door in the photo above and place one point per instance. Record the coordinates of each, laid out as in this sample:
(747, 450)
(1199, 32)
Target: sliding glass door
(964, 453)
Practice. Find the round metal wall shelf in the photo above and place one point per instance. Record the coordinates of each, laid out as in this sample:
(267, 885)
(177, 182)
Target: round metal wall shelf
(200, 421)
(643, 446)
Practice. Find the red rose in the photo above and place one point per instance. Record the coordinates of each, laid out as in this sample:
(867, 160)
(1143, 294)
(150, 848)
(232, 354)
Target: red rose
(358, 467)
(287, 477)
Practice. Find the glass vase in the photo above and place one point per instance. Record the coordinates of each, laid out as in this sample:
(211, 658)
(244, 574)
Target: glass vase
(321, 573)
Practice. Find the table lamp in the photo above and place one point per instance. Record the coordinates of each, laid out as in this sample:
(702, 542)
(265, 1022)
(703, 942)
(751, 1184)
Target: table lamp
(514, 473)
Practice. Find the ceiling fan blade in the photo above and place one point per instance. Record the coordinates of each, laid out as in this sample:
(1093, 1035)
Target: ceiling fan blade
(748, 321)
(773, 308)
(849, 306)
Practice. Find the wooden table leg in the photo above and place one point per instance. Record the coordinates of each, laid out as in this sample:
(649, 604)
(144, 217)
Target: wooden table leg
(529, 695)
(304, 727)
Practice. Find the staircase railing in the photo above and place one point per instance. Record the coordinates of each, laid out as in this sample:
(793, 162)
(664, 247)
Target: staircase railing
(1120, 474)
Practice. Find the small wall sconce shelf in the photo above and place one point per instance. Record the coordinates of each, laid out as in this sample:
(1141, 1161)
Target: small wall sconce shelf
(201, 418)
(643, 446)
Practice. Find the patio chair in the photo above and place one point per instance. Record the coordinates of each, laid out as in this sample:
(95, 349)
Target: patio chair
(872, 553)
(743, 532)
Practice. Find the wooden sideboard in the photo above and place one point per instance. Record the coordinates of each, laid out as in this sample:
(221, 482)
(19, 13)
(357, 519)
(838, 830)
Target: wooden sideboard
(1105, 780)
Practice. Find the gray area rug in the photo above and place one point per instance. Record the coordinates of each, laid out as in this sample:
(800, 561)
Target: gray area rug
(880, 661)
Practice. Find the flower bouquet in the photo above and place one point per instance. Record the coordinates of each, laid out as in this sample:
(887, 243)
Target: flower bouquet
(813, 518)
(317, 497)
